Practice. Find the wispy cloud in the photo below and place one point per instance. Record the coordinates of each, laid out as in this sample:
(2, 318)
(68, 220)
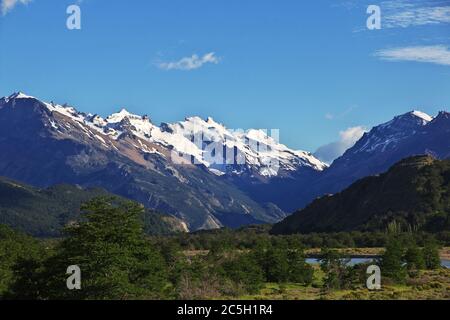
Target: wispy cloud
(347, 139)
(331, 116)
(438, 54)
(8, 5)
(190, 63)
(406, 13)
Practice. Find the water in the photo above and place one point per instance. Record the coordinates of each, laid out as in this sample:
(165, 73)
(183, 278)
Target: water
(353, 261)
(445, 263)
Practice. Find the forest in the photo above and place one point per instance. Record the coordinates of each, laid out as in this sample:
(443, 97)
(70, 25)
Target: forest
(119, 261)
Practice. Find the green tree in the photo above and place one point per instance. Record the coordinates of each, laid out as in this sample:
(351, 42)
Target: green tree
(15, 247)
(273, 260)
(299, 270)
(414, 258)
(276, 265)
(334, 265)
(431, 255)
(392, 261)
(244, 270)
(109, 246)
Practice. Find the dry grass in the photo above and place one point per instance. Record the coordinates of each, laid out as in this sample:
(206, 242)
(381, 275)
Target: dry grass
(429, 285)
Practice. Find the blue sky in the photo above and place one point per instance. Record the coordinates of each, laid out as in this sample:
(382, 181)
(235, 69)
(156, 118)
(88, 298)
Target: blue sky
(309, 68)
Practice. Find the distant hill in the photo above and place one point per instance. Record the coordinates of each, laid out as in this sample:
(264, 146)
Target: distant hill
(414, 193)
(44, 212)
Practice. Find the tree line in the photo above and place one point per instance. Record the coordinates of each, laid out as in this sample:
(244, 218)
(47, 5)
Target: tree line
(119, 261)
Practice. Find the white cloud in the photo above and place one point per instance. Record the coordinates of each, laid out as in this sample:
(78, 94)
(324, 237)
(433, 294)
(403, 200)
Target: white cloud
(329, 116)
(332, 116)
(406, 13)
(8, 5)
(438, 54)
(347, 139)
(190, 63)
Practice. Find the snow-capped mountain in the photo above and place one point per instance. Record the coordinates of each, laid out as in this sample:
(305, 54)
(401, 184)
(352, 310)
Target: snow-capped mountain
(410, 134)
(387, 136)
(197, 169)
(208, 142)
(47, 143)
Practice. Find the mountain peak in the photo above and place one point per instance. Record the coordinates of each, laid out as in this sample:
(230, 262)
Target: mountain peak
(443, 114)
(411, 120)
(416, 116)
(194, 119)
(119, 116)
(210, 120)
(20, 95)
(422, 115)
(124, 112)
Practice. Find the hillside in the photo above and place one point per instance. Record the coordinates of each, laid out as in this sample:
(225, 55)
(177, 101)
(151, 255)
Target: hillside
(44, 212)
(414, 193)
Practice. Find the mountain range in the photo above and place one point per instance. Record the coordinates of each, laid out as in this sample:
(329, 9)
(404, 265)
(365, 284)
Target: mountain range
(196, 170)
(45, 144)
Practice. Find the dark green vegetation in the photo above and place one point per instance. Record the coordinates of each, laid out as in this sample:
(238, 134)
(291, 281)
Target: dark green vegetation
(248, 237)
(15, 247)
(44, 212)
(110, 247)
(403, 259)
(414, 195)
(119, 261)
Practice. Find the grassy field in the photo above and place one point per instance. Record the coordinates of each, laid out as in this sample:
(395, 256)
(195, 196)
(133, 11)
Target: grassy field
(428, 285)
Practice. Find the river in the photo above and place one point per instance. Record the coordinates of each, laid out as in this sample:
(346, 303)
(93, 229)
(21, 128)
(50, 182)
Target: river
(355, 260)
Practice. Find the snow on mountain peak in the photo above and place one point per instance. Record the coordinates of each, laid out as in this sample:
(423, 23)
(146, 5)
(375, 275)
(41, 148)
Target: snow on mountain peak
(422, 115)
(65, 110)
(413, 117)
(20, 95)
(410, 119)
(261, 151)
(119, 116)
(213, 123)
(387, 135)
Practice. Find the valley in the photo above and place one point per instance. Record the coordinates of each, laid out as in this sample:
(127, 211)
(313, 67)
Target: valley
(274, 223)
